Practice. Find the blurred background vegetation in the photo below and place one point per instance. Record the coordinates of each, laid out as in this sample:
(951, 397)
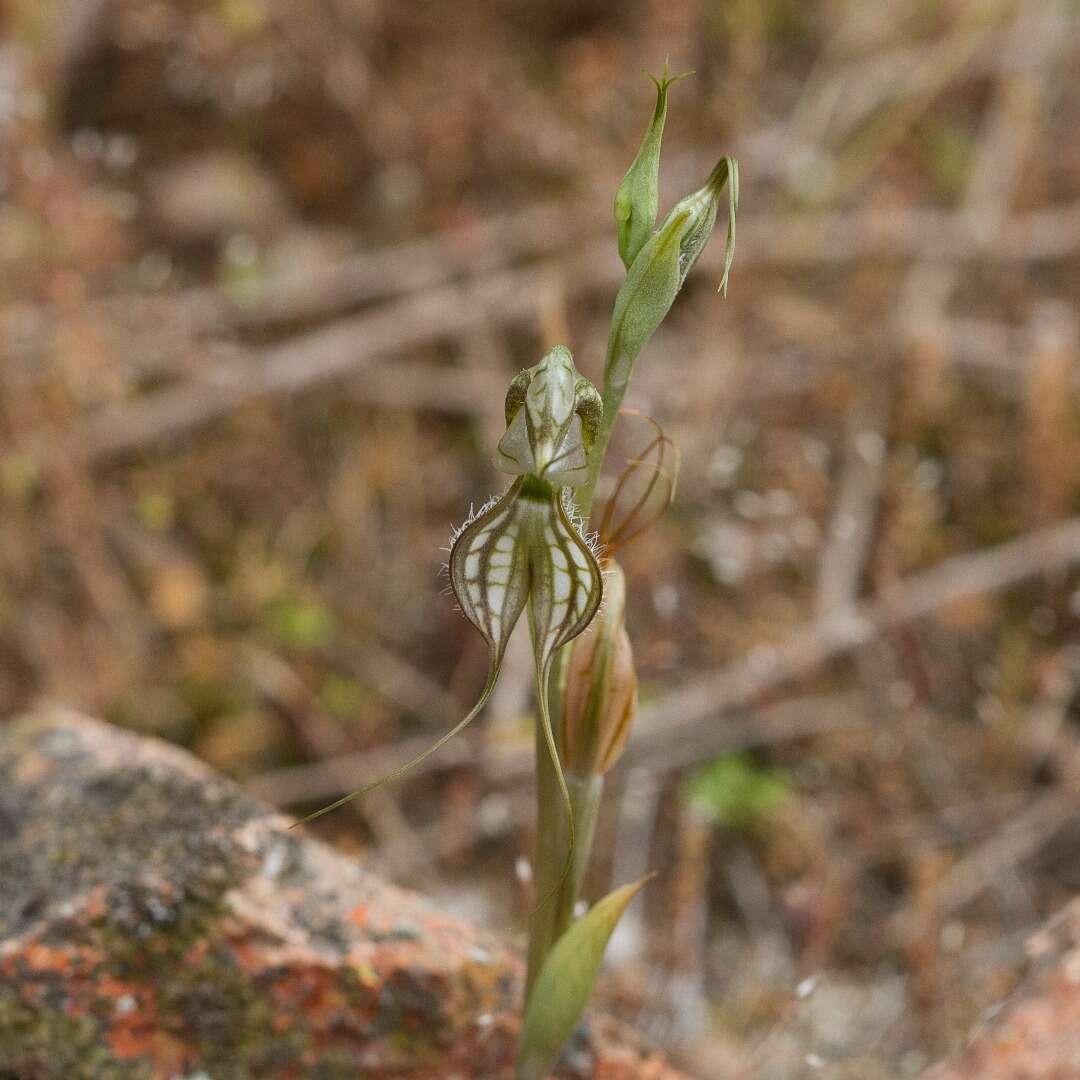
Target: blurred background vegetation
(266, 268)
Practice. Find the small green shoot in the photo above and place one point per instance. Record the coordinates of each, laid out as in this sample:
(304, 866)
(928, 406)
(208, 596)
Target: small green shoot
(734, 792)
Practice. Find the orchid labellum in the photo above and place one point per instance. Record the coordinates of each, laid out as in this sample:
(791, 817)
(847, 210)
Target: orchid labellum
(523, 549)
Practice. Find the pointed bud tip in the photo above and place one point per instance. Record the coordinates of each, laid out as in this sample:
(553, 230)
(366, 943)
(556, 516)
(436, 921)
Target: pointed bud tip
(666, 79)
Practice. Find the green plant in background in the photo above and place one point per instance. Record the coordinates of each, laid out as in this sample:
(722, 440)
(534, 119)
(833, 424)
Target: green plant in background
(528, 550)
(734, 792)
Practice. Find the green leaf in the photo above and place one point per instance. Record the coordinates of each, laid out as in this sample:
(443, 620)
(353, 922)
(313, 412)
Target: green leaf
(565, 982)
(638, 195)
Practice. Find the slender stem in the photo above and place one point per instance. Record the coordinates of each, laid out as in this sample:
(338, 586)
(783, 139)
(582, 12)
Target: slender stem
(551, 841)
(551, 920)
(585, 794)
(613, 394)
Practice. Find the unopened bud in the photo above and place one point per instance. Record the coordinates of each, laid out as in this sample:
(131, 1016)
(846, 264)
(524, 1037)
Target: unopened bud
(658, 272)
(637, 198)
(701, 208)
(601, 687)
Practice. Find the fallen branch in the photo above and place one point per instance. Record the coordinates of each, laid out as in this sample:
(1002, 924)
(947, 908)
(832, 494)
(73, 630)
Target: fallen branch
(1017, 841)
(309, 360)
(354, 344)
(850, 535)
(663, 728)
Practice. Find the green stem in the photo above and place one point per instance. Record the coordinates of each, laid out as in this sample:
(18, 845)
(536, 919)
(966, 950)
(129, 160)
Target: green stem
(551, 841)
(552, 919)
(612, 397)
(585, 794)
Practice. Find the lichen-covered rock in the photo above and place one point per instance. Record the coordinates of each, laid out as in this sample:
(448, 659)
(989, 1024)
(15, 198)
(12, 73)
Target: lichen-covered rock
(155, 921)
(1036, 1034)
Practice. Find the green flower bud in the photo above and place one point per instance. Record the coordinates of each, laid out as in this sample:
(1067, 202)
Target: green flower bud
(661, 267)
(637, 198)
(701, 208)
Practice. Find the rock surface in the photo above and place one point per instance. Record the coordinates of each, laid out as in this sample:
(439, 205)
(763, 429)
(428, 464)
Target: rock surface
(1036, 1034)
(155, 921)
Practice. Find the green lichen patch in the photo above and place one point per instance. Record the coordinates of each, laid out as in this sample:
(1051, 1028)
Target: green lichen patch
(40, 1042)
(109, 818)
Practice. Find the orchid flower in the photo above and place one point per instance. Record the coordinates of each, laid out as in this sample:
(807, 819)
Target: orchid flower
(525, 551)
(523, 548)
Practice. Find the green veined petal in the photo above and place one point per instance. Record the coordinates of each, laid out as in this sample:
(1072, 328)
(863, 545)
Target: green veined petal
(489, 569)
(489, 574)
(566, 583)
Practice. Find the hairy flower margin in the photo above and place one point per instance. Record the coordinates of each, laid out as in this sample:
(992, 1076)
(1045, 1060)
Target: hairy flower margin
(526, 549)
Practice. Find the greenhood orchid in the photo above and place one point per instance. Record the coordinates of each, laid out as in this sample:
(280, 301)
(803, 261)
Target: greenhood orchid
(523, 548)
(525, 551)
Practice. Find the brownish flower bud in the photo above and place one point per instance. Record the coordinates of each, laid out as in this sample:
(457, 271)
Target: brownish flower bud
(601, 687)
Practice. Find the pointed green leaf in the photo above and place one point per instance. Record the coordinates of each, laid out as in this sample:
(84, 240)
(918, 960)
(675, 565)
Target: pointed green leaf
(637, 197)
(565, 982)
